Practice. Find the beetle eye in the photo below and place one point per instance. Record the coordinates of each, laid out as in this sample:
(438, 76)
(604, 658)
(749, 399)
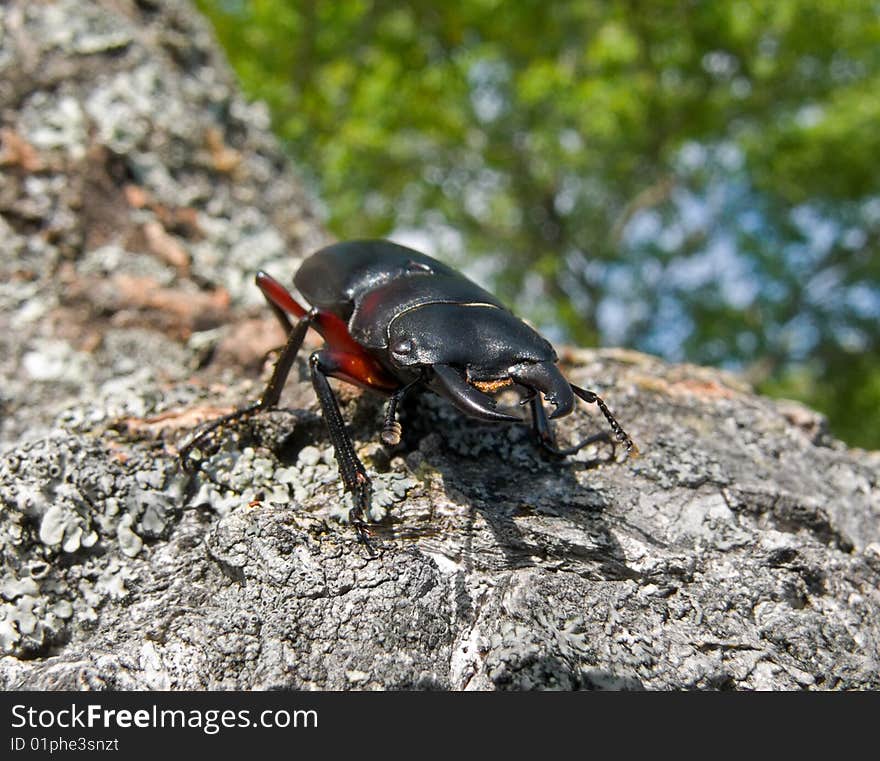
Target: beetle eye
(402, 347)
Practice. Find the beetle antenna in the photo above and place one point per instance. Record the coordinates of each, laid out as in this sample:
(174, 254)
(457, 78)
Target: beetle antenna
(590, 397)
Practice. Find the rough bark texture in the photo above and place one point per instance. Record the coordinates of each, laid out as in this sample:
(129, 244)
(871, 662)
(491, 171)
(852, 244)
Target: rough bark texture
(138, 195)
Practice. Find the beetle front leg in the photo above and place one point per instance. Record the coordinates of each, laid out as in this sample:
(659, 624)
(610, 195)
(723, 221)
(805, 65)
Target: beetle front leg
(546, 437)
(391, 429)
(351, 469)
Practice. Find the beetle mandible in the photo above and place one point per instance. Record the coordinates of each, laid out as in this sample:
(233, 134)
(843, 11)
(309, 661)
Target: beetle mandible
(392, 319)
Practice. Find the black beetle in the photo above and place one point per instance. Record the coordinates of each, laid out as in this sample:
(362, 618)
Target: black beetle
(393, 318)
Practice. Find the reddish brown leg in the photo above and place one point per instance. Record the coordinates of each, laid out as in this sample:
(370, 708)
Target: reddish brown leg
(333, 329)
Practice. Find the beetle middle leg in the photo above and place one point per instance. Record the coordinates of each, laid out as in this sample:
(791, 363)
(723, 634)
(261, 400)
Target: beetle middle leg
(324, 364)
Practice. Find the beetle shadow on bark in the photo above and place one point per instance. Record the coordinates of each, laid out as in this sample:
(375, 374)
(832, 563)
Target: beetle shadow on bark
(521, 506)
(559, 673)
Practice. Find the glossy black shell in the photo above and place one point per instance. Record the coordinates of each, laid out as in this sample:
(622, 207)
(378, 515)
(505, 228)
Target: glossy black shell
(336, 277)
(382, 289)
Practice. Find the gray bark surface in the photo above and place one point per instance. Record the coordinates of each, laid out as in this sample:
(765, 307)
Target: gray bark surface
(139, 193)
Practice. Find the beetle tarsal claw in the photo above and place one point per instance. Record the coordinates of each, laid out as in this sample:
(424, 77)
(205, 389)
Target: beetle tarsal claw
(391, 433)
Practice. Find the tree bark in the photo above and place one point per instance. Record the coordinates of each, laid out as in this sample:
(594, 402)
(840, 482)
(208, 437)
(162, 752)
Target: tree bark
(139, 194)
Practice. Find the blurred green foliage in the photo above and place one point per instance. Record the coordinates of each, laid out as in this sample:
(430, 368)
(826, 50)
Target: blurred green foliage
(695, 179)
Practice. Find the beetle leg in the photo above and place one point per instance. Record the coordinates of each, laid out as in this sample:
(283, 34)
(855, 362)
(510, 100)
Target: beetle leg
(280, 300)
(333, 329)
(351, 469)
(391, 430)
(541, 425)
(590, 397)
(271, 394)
(546, 437)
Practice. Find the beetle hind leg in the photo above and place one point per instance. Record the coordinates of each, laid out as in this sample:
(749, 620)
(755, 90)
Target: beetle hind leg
(269, 398)
(210, 431)
(280, 300)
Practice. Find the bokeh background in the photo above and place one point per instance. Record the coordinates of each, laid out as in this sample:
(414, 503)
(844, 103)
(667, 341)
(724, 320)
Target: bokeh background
(698, 180)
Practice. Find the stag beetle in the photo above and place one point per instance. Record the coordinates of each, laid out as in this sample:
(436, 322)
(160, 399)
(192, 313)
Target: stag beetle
(393, 318)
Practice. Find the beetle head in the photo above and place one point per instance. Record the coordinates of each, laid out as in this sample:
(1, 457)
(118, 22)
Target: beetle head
(473, 350)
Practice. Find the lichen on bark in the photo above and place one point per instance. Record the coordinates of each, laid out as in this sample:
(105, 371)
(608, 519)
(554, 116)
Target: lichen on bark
(139, 193)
